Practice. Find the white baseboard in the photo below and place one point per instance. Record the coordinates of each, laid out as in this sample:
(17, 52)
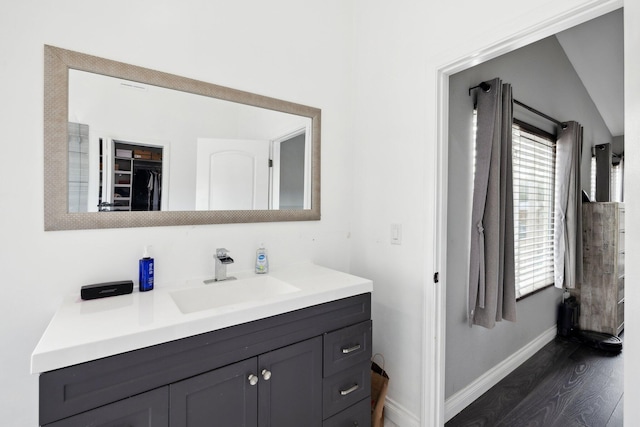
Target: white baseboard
(399, 415)
(460, 400)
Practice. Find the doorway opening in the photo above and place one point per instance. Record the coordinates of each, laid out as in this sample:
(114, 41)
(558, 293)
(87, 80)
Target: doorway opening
(437, 308)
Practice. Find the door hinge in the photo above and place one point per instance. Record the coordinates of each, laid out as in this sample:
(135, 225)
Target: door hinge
(270, 163)
(436, 278)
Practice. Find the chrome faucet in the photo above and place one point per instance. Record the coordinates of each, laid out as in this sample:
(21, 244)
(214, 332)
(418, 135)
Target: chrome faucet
(222, 259)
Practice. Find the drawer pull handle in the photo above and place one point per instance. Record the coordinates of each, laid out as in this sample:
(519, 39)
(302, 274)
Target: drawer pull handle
(351, 349)
(349, 390)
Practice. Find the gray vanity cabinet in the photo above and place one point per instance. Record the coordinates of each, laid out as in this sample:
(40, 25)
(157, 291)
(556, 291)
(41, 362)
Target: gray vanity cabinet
(308, 367)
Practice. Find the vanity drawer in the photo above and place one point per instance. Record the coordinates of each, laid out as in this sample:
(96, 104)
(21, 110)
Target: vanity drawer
(356, 415)
(347, 347)
(346, 388)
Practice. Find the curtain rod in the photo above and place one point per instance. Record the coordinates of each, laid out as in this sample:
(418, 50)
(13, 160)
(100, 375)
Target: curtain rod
(543, 115)
(487, 87)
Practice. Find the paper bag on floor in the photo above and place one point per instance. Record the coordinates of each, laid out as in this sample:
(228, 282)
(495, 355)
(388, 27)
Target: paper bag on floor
(379, 385)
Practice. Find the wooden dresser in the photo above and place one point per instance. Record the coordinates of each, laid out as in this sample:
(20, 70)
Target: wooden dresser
(602, 289)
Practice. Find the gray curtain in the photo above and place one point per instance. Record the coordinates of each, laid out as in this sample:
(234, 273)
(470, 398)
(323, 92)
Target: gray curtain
(491, 270)
(567, 237)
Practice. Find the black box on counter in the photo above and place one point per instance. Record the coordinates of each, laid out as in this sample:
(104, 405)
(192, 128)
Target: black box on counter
(107, 289)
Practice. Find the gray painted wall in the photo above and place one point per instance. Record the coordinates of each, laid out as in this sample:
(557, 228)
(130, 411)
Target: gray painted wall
(617, 144)
(543, 78)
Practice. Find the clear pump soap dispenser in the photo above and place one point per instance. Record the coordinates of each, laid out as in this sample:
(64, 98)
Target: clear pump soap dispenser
(262, 261)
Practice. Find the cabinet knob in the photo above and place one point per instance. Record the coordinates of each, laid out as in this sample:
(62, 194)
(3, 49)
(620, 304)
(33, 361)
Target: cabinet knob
(253, 379)
(266, 374)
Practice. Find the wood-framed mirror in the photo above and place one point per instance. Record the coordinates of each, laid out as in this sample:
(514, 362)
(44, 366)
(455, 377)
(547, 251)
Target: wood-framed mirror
(127, 146)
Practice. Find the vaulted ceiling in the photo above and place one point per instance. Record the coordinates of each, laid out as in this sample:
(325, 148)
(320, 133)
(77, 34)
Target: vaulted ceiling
(596, 50)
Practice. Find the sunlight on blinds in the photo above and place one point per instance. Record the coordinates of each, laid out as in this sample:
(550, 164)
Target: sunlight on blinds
(533, 198)
(592, 195)
(616, 182)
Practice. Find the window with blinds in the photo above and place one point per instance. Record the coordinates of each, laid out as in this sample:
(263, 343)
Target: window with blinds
(616, 190)
(533, 197)
(534, 160)
(593, 178)
(616, 181)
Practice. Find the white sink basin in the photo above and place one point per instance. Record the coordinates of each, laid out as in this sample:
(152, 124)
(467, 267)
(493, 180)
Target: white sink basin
(220, 294)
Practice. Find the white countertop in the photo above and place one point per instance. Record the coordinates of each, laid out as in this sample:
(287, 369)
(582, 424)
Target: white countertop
(81, 331)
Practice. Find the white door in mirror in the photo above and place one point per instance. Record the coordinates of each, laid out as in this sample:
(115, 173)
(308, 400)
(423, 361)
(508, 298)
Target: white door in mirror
(232, 179)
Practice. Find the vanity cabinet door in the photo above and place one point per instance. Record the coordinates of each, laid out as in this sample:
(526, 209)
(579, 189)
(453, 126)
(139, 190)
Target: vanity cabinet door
(224, 397)
(148, 409)
(290, 388)
(281, 388)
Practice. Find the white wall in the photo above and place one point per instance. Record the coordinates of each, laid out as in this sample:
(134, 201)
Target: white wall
(283, 48)
(401, 45)
(541, 77)
(632, 205)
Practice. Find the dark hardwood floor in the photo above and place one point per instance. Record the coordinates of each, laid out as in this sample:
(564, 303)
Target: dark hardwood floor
(565, 384)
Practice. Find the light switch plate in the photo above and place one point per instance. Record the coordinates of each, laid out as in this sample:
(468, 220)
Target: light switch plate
(396, 234)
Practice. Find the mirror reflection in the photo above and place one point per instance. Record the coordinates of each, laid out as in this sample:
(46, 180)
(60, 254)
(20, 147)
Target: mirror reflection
(140, 147)
(165, 150)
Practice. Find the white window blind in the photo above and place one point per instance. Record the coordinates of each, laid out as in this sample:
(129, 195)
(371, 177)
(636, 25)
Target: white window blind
(533, 198)
(616, 182)
(593, 178)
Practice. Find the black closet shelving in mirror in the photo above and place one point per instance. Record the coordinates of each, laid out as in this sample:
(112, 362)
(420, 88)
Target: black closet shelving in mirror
(147, 185)
(137, 177)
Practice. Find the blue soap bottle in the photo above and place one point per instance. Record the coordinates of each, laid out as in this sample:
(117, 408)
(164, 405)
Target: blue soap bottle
(145, 276)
